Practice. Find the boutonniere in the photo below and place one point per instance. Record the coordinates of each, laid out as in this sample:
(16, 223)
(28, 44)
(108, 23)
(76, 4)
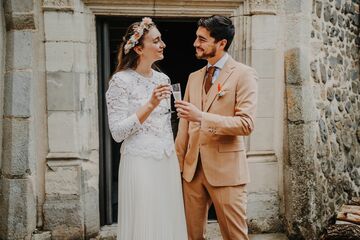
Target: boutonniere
(220, 92)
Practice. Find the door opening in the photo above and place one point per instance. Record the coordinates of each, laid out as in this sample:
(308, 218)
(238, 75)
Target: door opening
(178, 35)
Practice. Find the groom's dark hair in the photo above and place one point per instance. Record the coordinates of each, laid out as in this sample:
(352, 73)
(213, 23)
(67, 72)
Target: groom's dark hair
(220, 28)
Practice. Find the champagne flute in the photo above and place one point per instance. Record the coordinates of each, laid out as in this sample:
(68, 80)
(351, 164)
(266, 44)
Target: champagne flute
(176, 91)
(168, 101)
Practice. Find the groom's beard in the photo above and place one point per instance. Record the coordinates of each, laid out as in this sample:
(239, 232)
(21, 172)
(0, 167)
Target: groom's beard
(206, 55)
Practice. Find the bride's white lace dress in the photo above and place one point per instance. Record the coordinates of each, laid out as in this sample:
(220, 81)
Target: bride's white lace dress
(150, 193)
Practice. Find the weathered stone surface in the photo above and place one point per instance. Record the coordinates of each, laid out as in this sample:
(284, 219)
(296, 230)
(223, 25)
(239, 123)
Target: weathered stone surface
(330, 94)
(63, 180)
(18, 211)
(323, 73)
(301, 107)
(264, 37)
(16, 147)
(64, 217)
(18, 6)
(41, 236)
(334, 71)
(318, 8)
(294, 64)
(327, 12)
(56, 5)
(17, 94)
(64, 139)
(323, 131)
(59, 56)
(19, 50)
(20, 21)
(66, 26)
(266, 216)
(91, 197)
(63, 91)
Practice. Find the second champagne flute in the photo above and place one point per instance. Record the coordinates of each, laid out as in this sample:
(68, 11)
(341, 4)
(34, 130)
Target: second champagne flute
(176, 91)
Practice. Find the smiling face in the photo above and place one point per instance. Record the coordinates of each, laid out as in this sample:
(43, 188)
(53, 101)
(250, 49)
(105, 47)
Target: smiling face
(206, 46)
(152, 48)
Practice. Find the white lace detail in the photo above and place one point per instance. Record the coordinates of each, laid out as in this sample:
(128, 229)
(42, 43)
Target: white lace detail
(127, 92)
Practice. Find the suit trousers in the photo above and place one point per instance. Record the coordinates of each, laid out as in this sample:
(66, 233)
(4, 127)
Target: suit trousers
(229, 202)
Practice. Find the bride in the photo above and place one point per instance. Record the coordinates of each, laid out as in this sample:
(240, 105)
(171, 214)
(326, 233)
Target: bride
(150, 194)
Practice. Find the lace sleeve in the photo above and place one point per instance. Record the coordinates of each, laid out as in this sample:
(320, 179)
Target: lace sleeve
(120, 123)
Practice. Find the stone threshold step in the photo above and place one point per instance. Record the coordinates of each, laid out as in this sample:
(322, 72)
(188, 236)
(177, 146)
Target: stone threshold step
(213, 233)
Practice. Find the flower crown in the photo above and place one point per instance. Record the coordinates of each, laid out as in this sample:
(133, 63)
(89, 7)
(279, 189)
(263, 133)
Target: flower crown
(146, 23)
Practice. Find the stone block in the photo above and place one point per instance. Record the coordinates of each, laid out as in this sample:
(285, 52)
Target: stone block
(62, 131)
(18, 6)
(56, 5)
(267, 181)
(19, 50)
(268, 236)
(62, 91)
(91, 213)
(266, 99)
(20, 21)
(18, 209)
(263, 212)
(264, 62)
(63, 180)
(67, 26)
(41, 236)
(59, 26)
(262, 137)
(301, 104)
(296, 66)
(296, 6)
(17, 94)
(298, 29)
(59, 56)
(16, 147)
(301, 146)
(90, 176)
(81, 57)
(264, 32)
(64, 218)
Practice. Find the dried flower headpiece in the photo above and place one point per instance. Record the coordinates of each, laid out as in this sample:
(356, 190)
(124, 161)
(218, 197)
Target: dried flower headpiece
(146, 23)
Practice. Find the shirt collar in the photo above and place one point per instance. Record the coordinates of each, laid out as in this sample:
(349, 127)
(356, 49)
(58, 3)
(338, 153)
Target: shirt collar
(221, 62)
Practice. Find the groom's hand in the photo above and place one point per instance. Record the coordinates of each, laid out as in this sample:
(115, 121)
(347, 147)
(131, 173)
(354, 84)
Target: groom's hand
(188, 111)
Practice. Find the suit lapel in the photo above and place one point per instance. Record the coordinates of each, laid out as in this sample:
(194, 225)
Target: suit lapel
(198, 85)
(223, 76)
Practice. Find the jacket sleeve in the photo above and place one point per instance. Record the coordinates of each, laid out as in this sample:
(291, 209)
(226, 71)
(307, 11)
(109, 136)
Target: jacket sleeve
(182, 137)
(242, 123)
(121, 124)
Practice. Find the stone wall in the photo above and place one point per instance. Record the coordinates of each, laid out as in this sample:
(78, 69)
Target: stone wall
(322, 77)
(71, 208)
(19, 154)
(335, 45)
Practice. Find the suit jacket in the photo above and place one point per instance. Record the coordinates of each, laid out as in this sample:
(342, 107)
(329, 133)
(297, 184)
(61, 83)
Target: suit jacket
(226, 119)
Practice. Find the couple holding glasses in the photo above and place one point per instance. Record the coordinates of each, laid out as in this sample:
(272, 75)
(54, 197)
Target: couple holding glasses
(166, 188)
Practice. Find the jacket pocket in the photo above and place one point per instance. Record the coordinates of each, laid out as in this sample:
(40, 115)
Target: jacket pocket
(231, 147)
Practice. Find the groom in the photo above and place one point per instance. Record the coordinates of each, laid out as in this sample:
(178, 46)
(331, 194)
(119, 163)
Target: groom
(218, 110)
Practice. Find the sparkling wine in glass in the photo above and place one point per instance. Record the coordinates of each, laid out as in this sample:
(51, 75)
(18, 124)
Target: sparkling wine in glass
(176, 91)
(169, 111)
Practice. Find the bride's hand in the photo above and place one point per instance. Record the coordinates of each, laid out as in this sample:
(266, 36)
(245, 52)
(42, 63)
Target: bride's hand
(160, 92)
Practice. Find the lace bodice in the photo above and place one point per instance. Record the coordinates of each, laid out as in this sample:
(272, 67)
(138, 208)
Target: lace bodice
(128, 91)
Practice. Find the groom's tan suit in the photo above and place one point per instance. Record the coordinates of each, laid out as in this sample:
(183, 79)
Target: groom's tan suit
(212, 153)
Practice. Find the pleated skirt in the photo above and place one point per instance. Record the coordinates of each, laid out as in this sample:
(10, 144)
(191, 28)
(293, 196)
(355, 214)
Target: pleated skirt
(150, 199)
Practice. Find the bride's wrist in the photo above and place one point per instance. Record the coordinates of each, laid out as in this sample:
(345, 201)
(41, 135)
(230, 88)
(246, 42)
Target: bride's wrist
(150, 106)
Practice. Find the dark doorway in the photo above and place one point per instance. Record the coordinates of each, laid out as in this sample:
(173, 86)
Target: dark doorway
(179, 62)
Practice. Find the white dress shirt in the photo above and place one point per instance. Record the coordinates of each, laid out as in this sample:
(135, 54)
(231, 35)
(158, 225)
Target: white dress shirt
(219, 65)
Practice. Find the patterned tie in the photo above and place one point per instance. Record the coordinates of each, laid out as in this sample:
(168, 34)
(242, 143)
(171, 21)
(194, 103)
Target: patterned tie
(208, 80)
